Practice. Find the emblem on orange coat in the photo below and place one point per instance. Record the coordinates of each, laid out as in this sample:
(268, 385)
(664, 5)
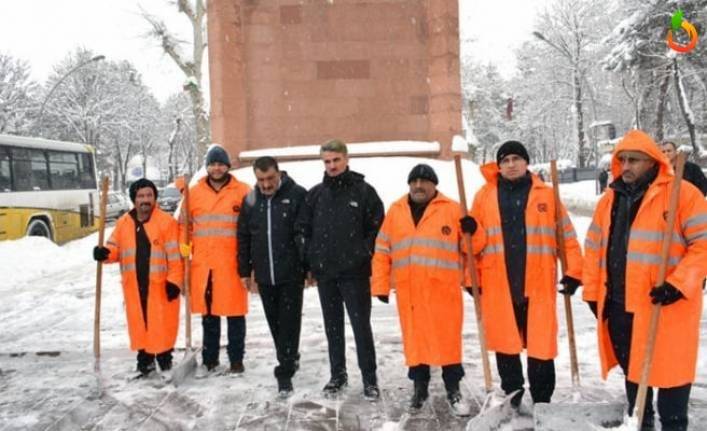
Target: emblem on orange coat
(446, 230)
(236, 208)
(542, 207)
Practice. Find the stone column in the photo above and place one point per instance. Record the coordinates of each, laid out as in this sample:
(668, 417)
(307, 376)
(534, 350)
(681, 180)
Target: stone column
(227, 78)
(443, 72)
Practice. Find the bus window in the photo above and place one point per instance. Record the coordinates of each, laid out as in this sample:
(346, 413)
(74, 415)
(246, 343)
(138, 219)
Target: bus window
(40, 176)
(5, 177)
(88, 179)
(64, 170)
(21, 169)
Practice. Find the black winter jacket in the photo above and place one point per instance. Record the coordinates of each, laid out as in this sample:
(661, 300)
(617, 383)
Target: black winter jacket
(512, 200)
(266, 235)
(693, 173)
(627, 201)
(337, 227)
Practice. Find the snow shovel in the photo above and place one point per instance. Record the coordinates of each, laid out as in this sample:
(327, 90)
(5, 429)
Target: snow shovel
(99, 282)
(187, 366)
(579, 414)
(493, 411)
(662, 269)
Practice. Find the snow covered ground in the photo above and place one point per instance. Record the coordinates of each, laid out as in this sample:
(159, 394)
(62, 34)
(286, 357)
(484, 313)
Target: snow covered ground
(46, 361)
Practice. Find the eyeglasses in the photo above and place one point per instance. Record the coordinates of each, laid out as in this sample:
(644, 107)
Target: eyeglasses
(632, 160)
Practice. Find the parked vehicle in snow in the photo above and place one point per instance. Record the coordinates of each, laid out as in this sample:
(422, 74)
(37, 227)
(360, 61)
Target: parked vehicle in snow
(168, 198)
(117, 205)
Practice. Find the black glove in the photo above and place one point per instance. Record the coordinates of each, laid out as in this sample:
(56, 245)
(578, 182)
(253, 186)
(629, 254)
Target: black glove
(172, 291)
(570, 284)
(383, 298)
(665, 294)
(470, 291)
(468, 224)
(100, 253)
(593, 306)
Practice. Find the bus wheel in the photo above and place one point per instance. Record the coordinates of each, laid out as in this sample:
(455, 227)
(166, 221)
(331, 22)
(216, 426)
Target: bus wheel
(38, 227)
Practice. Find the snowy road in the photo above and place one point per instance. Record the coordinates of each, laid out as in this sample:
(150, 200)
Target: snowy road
(46, 362)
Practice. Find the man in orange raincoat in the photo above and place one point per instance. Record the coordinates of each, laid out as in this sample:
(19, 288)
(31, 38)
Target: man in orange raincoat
(145, 242)
(217, 290)
(518, 268)
(622, 249)
(418, 254)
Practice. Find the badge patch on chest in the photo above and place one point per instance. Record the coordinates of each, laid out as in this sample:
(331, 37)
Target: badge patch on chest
(354, 204)
(446, 230)
(236, 208)
(285, 201)
(542, 207)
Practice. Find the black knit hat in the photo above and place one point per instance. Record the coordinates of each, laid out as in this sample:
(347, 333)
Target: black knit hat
(217, 153)
(141, 184)
(424, 172)
(512, 147)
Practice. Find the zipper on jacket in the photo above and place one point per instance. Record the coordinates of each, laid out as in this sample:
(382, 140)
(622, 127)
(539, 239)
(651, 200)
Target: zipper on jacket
(272, 266)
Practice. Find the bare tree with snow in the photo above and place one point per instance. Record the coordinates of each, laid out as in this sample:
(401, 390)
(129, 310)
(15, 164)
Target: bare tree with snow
(191, 66)
(18, 95)
(638, 49)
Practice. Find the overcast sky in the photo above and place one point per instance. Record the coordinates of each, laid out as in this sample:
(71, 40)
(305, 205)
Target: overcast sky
(44, 31)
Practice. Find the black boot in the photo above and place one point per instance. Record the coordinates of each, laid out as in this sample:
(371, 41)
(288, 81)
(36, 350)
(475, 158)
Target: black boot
(420, 394)
(336, 384)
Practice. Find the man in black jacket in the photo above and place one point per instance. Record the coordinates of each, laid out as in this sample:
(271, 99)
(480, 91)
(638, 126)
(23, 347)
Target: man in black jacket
(337, 229)
(266, 246)
(692, 174)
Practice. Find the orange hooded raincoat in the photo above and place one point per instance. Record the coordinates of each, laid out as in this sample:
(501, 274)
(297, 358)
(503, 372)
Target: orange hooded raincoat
(675, 355)
(160, 333)
(540, 274)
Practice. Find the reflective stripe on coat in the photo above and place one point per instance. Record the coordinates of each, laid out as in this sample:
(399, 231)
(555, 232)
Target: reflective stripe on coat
(162, 230)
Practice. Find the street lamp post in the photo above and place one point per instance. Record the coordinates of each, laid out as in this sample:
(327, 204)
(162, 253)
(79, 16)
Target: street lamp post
(74, 69)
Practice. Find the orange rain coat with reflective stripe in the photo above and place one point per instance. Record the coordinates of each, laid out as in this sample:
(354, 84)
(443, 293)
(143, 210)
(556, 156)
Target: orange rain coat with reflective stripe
(675, 355)
(160, 333)
(423, 264)
(213, 218)
(540, 269)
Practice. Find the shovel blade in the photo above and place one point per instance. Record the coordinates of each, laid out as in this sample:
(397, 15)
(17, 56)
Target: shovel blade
(582, 416)
(184, 369)
(492, 415)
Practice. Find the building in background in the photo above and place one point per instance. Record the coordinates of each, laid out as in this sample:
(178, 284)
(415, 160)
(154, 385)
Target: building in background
(287, 73)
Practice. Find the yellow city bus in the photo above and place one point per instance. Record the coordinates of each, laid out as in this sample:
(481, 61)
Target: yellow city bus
(47, 188)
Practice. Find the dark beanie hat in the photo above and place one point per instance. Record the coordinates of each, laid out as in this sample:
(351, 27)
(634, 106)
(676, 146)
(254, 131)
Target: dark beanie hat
(512, 147)
(141, 184)
(217, 153)
(424, 172)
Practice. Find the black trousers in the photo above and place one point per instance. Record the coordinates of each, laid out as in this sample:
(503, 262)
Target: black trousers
(451, 375)
(541, 373)
(355, 294)
(672, 402)
(283, 310)
(541, 376)
(146, 361)
(212, 338)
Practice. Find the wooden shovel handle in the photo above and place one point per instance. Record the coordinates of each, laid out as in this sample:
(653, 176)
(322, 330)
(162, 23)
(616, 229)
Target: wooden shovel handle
(662, 270)
(562, 251)
(471, 264)
(99, 272)
(184, 213)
